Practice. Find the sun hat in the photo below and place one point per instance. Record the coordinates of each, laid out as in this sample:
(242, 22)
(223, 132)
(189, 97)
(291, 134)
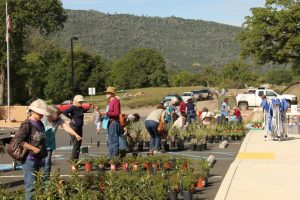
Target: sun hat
(39, 106)
(78, 98)
(110, 90)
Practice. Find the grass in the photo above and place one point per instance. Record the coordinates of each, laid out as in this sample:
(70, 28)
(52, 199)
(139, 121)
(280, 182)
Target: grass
(152, 97)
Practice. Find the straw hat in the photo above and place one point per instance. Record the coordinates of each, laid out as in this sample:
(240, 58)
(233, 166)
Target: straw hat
(39, 106)
(111, 90)
(78, 98)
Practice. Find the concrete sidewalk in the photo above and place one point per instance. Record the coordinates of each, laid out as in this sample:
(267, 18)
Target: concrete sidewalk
(264, 170)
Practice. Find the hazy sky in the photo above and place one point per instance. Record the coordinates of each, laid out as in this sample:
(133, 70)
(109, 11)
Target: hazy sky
(223, 11)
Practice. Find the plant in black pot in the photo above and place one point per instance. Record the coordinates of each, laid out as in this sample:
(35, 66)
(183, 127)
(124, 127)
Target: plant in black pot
(193, 144)
(166, 146)
(188, 185)
(173, 185)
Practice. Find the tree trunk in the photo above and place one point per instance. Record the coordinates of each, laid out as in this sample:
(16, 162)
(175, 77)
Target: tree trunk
(2, 85)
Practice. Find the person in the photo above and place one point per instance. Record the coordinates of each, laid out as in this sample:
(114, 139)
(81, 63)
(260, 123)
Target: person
(31, 136)
(96, 119)
(170, 109)
(206, 116)
(238, 115)
(191, 111)
(151, 124)
(182, 107)
(76, 116)
(181, 122)
(115, 130)
(223, 92)
(223, 119)
(51, 123)
(128, 120)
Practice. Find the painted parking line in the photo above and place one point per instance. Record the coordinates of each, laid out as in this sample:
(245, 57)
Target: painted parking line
(69, 148)
(22, 176)
(256, 155)
(8, 167)
(198, 157)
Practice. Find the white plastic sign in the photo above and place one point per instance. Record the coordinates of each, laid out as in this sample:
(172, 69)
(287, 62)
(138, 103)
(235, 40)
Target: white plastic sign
(92, 91)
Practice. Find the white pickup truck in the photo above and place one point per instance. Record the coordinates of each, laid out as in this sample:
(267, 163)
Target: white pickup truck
(252, 98)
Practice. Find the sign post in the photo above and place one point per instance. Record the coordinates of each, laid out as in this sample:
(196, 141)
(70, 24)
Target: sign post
(92, 91)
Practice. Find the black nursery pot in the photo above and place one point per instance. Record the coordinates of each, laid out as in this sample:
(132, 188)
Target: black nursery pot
(173, 143)
(173, 195)
(147, 144)
(180, 146)
(140, 146)
(205, 146)
(210, 140)
(187, 195)
(193, 147)
(216, 139)
(166, 147)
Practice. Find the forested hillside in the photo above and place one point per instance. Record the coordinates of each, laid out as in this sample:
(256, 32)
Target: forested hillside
(182, 42)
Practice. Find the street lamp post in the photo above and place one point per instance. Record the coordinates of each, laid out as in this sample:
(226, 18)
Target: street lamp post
(72, 66)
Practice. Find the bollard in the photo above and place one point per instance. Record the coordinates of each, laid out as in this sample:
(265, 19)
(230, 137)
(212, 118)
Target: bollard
(211, 160)
(223, 145)
(98, 143)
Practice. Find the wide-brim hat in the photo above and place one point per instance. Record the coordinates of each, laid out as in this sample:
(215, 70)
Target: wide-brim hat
(78, 98)
(39, 106)
(110, 90)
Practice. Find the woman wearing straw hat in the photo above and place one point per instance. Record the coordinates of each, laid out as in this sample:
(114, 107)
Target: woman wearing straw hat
(31, 136)
(115, 130)
(75, 114)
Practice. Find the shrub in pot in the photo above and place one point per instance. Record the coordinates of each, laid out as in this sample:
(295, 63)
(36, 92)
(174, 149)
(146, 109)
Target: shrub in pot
(188, 185)
(173, 185)
(88, 163)
(101, 162)
(193, 146)
(204, 169)
(114, 164)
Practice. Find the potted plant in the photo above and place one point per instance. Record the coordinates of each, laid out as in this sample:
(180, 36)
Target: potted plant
(194, 142)
(173, 184)
(114, 164)
(204, 169)
(75, 163)
(188, 185)
(166, 146)
(101, 162)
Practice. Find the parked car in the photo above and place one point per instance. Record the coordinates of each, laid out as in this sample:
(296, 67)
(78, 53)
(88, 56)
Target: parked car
(205, 94)
(169, 96)
(67, 104)
(187, 95)
(252, 98)
(196, 94)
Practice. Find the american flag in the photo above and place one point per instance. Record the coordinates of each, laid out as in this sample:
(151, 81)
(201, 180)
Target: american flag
(8, 27)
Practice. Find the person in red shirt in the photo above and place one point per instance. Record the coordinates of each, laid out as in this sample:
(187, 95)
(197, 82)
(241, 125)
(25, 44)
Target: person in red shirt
(182, 107)
(238, 115)
(115, 129)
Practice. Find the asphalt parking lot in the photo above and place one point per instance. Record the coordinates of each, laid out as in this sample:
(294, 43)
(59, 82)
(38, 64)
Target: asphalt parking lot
(14, 179)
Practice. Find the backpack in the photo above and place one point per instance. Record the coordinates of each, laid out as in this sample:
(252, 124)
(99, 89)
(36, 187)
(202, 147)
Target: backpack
(15, 151)
(122, 119)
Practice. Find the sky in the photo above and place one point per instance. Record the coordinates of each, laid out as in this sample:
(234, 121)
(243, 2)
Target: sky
(230, 12)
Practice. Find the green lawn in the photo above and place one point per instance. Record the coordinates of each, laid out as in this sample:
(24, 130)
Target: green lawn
(153, 96)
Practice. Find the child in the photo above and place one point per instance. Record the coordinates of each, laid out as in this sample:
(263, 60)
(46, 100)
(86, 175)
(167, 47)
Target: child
(96, 119)
(238, 115)
(51, 123)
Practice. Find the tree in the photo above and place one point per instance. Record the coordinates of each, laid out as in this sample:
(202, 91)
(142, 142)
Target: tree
(209, 75)
(140, 68)
(183, 78)
(272, 33)
(47, 16)
(237, 74)
(279, 76)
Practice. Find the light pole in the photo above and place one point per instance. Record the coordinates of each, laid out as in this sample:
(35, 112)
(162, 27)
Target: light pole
(72, 66)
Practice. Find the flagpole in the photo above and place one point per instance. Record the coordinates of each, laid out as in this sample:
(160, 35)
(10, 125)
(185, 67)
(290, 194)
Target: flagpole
(8, 73)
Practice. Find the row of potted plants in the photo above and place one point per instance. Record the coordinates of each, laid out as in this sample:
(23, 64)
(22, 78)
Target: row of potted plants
(123, 184)
(196, 134)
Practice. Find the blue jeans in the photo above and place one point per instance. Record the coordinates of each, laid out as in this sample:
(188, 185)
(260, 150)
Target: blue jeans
(29, 170)
(191, 115)
(47, 167)
(115, 130)
(123, 142)
(151, 127)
